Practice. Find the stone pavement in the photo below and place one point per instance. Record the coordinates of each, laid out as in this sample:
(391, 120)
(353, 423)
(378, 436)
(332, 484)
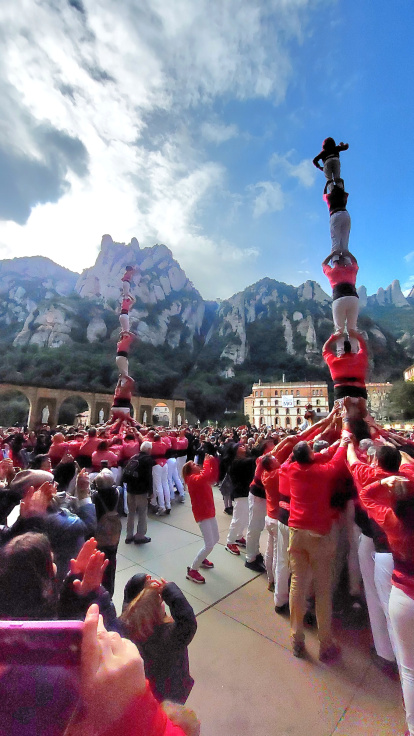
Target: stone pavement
(247, 683)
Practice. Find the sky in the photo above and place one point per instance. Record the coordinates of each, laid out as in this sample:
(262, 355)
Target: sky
(194, 123)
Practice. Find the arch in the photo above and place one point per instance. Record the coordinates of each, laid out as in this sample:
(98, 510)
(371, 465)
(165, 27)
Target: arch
(161, 414)
(261, 402)
(15, 408)
(70, 409)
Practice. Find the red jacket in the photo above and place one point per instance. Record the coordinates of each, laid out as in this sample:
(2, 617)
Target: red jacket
(159, 449)
(201, 493)
(311, 486)
(144, 717)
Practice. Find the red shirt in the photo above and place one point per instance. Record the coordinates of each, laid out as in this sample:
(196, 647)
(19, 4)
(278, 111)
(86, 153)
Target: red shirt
(201, 493)
(401, 540)
(341, 274)
(57, 451)
(160, 448)
(126, 304)
(310, 493)
(129, 449)
(90, 446)
(364, 474)
(347, 365)
(125, 388)
(100, 455)
(270, 480)
(124, 343)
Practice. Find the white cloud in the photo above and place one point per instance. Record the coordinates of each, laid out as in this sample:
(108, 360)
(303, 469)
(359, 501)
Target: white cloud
(217, 133)
(131, 82)
(304, 171)
(409, 256)
(269, 199)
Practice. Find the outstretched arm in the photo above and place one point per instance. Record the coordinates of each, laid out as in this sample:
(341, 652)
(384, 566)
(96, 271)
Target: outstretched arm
(343, 146)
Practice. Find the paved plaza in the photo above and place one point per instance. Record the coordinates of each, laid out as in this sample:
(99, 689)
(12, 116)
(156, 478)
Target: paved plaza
(247, 683)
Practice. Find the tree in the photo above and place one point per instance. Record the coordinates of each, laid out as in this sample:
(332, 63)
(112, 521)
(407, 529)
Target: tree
(401, 399)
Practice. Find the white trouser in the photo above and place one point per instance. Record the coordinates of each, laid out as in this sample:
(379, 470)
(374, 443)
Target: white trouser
(124, 322)
(271, 526)
(332, 168)
(239, 520)
(382, 643)
(126, 288)
(210, 532)
(257, 515)
(173, 477)
(282, 572)
(401, 609)
(122, 364)
(384, 566)
(160, 484)
(181, 461)
(340, 226)
(345, 311)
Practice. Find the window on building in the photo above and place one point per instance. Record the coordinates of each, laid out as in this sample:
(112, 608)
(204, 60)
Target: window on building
(298, 421)
(297, 392)
(276, 402)
(298, 412)
(318, 411)
(261, 393)
(287, 421)
(261, 412)
(256, 393)
(317, 402)
(261, 402)
(276, 411)
(297, 402)
(287, 411)
(275, 393)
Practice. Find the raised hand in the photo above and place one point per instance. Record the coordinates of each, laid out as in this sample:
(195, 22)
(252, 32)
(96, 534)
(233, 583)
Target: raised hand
(79, 565)
(93, 575)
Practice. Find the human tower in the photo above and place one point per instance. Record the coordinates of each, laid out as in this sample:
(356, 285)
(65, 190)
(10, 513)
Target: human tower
(345, 352)
(121, 407)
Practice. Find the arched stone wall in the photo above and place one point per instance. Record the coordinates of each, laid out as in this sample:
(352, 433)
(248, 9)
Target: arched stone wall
(39, 397)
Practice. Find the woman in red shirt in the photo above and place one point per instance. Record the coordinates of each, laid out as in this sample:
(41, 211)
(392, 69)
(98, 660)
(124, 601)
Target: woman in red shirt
(342, 278)
(199, 482)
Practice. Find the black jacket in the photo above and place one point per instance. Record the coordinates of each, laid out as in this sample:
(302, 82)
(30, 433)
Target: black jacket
(138, 474)
(165, 652)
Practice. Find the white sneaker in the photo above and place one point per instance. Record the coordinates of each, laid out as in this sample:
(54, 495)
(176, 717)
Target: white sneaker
(160, 512)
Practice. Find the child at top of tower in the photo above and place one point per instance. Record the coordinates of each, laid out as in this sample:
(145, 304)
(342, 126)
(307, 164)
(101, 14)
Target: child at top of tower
(127, 278)
(330, 159)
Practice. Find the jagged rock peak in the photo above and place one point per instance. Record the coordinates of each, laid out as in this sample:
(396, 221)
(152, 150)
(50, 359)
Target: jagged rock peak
(363, 297)
(391, 295)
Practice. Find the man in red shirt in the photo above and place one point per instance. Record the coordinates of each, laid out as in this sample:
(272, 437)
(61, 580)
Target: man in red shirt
(348, 373)
(311, 546)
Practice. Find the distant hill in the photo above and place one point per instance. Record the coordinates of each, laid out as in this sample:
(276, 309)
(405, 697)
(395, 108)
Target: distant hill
(59, 329)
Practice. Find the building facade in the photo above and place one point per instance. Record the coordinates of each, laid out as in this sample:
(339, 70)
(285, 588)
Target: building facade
(409, 373)
(284, 404)
(378, 400)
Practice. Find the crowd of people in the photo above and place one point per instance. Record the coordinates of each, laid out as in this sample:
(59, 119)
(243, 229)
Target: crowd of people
(337, 507)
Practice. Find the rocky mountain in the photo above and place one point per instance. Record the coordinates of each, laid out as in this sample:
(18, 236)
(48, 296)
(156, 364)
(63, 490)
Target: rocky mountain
(267, 329)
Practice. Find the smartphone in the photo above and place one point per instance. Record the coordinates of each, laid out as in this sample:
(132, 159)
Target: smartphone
(41, 643)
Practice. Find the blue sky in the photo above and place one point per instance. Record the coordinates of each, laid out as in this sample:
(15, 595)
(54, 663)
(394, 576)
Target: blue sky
(195, 124)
